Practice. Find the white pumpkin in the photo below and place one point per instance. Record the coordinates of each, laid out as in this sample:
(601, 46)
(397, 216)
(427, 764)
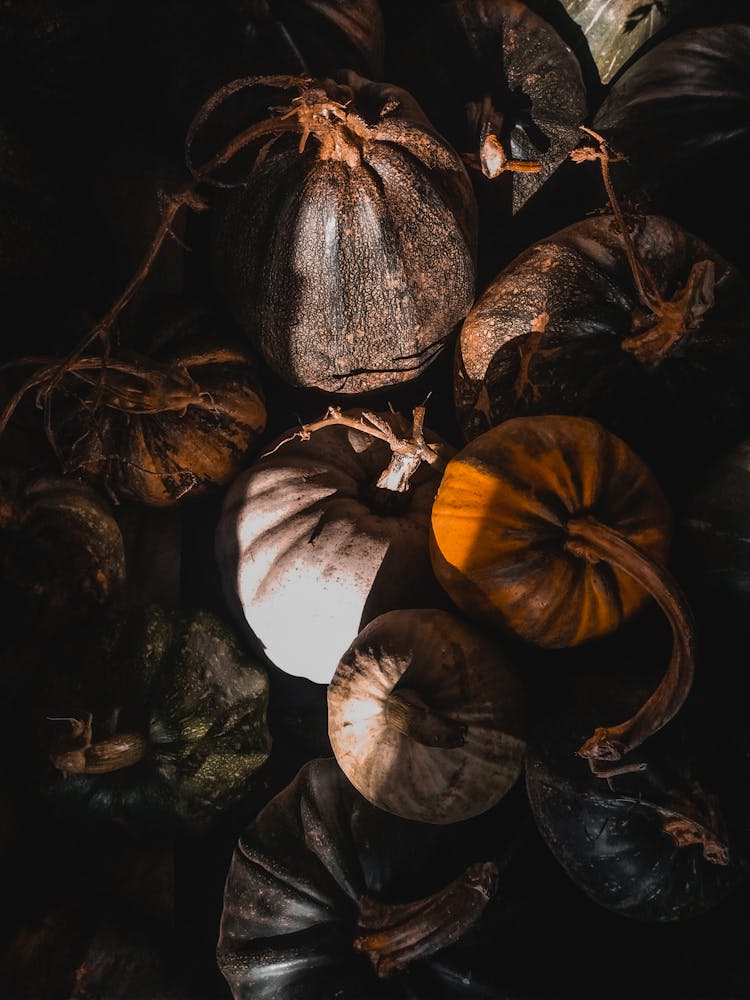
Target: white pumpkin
(311, 549)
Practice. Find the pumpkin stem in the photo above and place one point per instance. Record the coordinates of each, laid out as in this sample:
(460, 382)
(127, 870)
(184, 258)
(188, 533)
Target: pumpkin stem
(663, 323)
(392, 936)
(597, 542)
(46, 380)
(492, 160)
(86, 757)
(409, 714)
(407, 453)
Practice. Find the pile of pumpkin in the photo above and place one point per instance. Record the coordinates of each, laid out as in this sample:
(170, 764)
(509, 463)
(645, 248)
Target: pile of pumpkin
(400, 528)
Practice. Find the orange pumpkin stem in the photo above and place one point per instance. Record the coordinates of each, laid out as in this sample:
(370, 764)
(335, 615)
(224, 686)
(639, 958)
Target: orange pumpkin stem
(492, 160)
(393, 936)
(410, 715)
(597, 542)
(665, 321)
(86, 757)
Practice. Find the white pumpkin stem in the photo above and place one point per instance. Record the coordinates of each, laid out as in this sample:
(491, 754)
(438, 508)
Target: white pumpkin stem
(407, 453)
(667, 320)
(111, 754)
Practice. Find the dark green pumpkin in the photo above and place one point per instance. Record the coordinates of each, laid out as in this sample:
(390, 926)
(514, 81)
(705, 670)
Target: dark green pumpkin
(305, 882)
(178, 725)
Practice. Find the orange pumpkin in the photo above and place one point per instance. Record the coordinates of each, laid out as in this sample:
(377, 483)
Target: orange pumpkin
(553, 528)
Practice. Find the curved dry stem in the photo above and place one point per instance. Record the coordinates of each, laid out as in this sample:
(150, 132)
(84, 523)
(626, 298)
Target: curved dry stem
(393, 936)
(486, 124)
(667, 321)
(597, 542)
(86, 757)
(407, 453)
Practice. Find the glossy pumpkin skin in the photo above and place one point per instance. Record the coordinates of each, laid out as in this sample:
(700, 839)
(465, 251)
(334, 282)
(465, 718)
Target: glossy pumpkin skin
(547, 337)
(612, 838)
(292, 891)
(495, 65)
(348, 264)
(186, 686)
(184, 446)
(499, 528)
(452, 772)
(310, 550)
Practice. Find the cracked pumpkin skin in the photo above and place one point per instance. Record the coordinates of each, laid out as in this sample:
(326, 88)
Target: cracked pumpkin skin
(348, 254)
(498, 530)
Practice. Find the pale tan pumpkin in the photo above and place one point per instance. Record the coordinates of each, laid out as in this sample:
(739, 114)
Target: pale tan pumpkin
(425, 717)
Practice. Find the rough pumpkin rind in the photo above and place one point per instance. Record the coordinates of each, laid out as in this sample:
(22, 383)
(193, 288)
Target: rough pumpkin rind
(349, 257)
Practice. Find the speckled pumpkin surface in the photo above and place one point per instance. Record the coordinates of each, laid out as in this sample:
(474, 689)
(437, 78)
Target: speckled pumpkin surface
(178, 731)
(310, 549)
(500, 526)
(426, 717)
(348, 252)
(563, 330)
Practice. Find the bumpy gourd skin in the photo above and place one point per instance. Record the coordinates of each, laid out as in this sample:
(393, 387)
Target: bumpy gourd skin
(349, 264)
(200, 701)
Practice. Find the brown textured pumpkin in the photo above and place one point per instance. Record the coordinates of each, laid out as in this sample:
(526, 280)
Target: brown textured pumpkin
(553, 528)
(168, 425)
(320, 536)
(425, 717)
(348, 252)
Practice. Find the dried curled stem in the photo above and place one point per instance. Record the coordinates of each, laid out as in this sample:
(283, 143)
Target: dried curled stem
(86, 757)
(46, 379)
(663, 323)
(407, 452)
(595, 542)
(392, 936)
